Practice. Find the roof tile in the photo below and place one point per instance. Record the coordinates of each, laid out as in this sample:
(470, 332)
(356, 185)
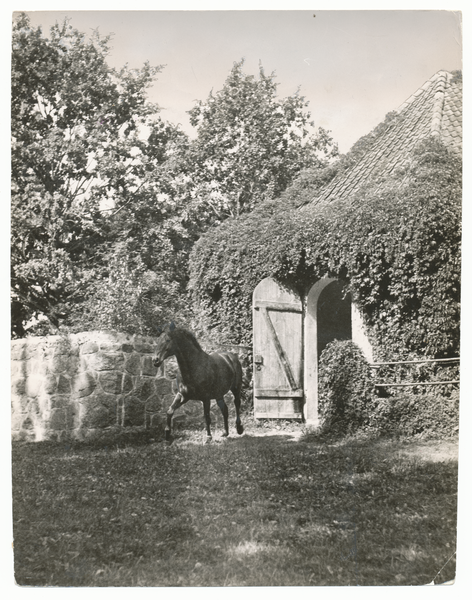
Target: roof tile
(436, 108)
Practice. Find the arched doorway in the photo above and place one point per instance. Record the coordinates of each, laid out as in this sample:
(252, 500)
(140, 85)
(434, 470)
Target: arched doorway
(290, 334)
(327, 317)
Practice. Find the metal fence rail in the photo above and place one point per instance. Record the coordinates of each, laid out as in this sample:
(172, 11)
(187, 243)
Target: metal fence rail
(411, 383)
(377, 365)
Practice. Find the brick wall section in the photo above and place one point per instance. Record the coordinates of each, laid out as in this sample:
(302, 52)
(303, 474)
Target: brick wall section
(83, 385)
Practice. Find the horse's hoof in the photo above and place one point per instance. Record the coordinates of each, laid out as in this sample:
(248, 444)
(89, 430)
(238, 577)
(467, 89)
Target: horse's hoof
(208, 439)
(225, 434)
(239, 429)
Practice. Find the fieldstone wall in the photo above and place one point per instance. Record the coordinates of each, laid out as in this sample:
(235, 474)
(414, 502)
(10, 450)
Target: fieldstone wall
(83, 385)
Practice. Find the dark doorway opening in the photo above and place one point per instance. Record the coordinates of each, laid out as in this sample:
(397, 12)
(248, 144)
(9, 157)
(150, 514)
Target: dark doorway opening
(333, 315)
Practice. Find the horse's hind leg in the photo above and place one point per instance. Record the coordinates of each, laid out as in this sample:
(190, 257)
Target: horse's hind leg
(206, 412)
(224, 409)
(237, 403)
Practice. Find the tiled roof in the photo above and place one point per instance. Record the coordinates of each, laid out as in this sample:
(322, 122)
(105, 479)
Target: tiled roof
(435, 109)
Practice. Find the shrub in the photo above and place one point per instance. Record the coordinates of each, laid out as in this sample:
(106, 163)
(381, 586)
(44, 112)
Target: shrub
(425, 414)
(345, 387)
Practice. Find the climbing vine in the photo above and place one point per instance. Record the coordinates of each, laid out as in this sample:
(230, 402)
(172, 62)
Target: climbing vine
(397, 243)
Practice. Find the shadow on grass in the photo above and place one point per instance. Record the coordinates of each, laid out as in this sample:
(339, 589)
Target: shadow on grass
(265, 508)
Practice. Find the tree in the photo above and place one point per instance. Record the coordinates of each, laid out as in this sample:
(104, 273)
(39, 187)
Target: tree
(250, 145)
(86, 147)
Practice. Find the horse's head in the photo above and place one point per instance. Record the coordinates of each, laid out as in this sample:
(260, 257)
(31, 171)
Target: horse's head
(165, 345)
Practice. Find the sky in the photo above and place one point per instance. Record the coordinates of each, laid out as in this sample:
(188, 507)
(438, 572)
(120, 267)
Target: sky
(352, 66)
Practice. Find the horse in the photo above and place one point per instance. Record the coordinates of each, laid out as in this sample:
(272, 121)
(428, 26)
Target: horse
(204, 377)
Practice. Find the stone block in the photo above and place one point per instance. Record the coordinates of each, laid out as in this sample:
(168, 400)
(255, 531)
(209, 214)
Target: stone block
(103, 361)
(153, 404)
(144, 390)
(89, 348)
(50, 383)
(19, 404)
(43, 403)
(59, 401)
(60, 345)
(128, 348)
(62, 363)
(27, 423)
(85, 385)
(16, 421)
(18, 350)
(18, 386)
(31, 348)
(148, 367)
(110, 347)
(16, 368)
(58, 419)
(133, 364)
(163, 387)
(111, 381)
(63, 385)
(127, 383)
(62, 418)
(34, 383)
(155, 420)
(98, 415)
(133, 410)
(143, 347)
(32, 365)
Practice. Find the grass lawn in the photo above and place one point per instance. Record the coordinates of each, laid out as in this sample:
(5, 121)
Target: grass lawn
(269, 508)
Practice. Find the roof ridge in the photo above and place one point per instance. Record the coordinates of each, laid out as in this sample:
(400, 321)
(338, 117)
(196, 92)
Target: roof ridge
(426, 85)
(435, 109)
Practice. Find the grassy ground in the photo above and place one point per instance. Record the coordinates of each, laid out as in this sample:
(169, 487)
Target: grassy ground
(272, 507)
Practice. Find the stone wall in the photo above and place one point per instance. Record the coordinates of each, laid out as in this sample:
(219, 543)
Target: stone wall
(83, 385)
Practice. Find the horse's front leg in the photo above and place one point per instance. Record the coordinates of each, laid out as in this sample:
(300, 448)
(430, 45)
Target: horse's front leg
(176, 403)
(206, 412)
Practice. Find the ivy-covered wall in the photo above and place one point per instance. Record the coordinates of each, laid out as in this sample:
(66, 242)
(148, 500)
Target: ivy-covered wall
(396, 243)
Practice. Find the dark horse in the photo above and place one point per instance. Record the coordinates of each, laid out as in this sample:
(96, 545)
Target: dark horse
(203, 376)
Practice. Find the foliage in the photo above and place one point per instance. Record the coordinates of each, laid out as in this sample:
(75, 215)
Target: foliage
(250, 145)
(89, 160)
(130, 298)
(397, 243)
(108, 199)
(348, 401)
(345, 387)
(426, 414)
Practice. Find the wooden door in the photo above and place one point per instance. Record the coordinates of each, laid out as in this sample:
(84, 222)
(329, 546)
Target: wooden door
(278, 351)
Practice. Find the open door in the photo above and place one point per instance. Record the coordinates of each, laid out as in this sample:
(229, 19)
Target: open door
(278, 351)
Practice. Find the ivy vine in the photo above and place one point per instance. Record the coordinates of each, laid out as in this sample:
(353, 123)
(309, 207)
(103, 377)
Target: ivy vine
(396, 243)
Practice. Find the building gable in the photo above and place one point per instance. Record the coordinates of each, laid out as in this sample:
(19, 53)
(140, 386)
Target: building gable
(435, 109)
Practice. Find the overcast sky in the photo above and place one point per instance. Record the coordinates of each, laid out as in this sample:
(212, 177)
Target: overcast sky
(352, 66)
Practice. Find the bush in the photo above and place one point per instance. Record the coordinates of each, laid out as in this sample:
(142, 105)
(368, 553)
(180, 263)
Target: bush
(418, 414)
(345, 387)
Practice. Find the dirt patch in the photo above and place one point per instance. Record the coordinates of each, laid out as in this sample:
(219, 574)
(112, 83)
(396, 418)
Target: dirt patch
(432, 451)
(436, 451)
(289, 436)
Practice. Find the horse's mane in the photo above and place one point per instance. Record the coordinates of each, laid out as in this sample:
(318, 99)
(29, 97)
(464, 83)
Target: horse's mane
(186, 335)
